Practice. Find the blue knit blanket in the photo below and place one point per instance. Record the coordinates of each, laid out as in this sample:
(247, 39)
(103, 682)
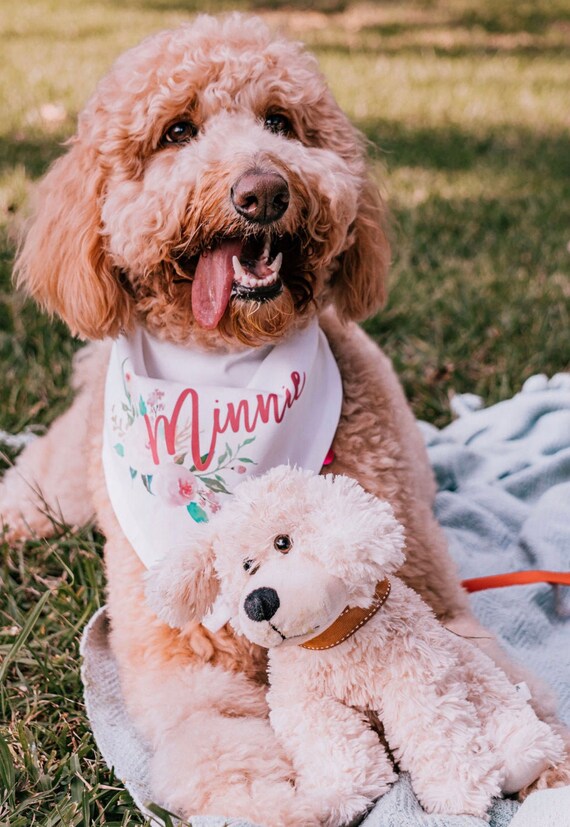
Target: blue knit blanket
(503, 476)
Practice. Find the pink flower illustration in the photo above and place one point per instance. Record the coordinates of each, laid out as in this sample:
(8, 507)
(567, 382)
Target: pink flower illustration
(174, 484)
(241, 469)
(137, 448)
(155, 397)
(212, 501)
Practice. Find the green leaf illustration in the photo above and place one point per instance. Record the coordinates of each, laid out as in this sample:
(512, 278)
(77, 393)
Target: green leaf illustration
(147, 480)
(248, 441)
(245, 459)
(215, 485)
(197, 513)
(133, 472)
(120, 449)
(142, 406)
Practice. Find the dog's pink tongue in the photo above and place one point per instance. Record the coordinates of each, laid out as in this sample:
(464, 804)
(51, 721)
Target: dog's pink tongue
(212, 283)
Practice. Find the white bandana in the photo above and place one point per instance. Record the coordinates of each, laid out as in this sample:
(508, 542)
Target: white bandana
(184, 426)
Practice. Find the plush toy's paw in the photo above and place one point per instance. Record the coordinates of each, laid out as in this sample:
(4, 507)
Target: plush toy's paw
(335, 810)
(344, 800)
(465, 785)
(453, 802)
(536, 766)
(527, 748)
(557, 776)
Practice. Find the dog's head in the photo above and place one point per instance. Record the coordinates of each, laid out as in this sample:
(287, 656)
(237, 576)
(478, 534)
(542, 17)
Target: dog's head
(287, 554)
(213, 187)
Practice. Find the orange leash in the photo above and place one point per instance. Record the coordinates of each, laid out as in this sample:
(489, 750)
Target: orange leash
(516, 578)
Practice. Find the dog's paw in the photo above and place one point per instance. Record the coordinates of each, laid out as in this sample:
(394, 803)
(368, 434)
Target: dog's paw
(20, 519)
(214, 765)
(16, 527)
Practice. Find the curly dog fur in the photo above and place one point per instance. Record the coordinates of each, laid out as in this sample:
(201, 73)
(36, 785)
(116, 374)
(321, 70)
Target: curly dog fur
(120, 224)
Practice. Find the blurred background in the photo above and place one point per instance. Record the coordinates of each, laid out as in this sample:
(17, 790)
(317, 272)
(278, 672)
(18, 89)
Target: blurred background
(467, 105)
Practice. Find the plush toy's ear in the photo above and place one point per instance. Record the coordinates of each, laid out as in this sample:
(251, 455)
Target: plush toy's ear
(359, 285)
(63, 263)
(388, 542)
(374, 539)
(183, 586)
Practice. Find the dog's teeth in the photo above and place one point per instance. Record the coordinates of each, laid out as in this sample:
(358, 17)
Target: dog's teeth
(247, 279)
(266, 250)
(239, 272)
(275, 266)
(270, 279)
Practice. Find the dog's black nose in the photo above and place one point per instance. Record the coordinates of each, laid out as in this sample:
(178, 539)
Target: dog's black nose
(260, 196)
(261, 604)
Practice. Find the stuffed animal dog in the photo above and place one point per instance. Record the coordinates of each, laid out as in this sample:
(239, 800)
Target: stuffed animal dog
(306, 566)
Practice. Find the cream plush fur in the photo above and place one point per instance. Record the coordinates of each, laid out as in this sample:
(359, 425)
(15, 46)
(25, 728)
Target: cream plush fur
(450, 716)
(120, 221)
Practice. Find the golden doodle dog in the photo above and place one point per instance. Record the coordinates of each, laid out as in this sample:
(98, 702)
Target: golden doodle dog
(214, 222)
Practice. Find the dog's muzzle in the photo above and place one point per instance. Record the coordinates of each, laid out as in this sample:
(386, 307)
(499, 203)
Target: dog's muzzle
(261, 197)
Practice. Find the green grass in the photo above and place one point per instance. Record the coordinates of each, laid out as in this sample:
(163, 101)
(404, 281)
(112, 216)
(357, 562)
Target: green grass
(468, 101)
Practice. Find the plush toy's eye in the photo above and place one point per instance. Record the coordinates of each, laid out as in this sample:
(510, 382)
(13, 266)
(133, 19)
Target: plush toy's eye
(248, 564)
(278, 123)
(179, 133)
(283, 543)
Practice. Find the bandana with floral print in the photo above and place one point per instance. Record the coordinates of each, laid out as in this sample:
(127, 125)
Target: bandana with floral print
(184, 426)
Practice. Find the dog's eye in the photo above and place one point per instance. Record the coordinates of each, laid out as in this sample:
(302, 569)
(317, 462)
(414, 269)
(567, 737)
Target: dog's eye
(283, 543)
(179, 133)
(278, 124)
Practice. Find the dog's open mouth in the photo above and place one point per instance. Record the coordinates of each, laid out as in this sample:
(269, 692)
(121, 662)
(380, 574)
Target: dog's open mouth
(245, 269)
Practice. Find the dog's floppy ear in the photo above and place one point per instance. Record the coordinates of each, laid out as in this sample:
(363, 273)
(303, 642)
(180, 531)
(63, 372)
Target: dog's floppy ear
(183, 586)
(63, 263)
(359, 285)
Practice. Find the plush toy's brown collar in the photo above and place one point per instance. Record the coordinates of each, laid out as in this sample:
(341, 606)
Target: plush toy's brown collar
(349, 621)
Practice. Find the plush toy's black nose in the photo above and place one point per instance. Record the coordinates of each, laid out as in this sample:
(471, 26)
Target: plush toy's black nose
(261, 604)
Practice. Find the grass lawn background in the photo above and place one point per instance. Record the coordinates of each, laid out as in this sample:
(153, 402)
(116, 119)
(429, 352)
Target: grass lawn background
(468, 102)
